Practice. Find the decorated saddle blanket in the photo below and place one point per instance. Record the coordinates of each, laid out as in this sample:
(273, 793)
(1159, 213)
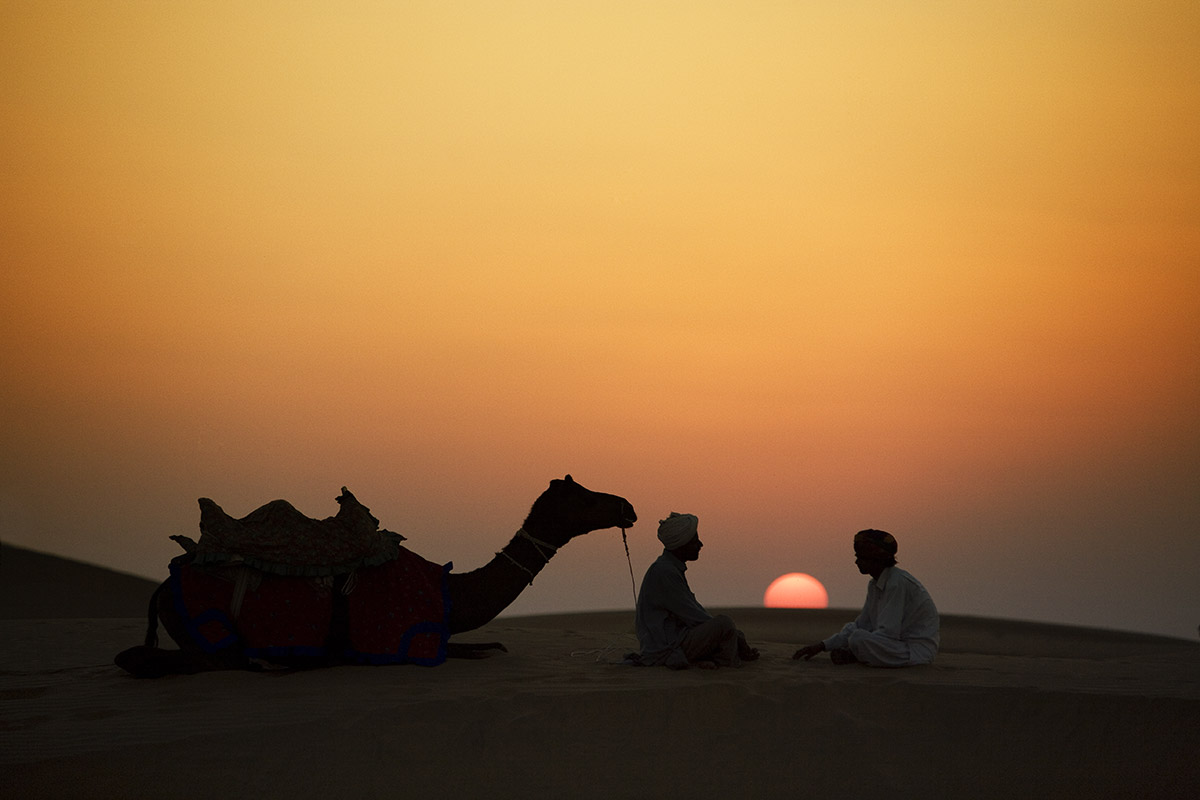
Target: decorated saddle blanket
(392, 613)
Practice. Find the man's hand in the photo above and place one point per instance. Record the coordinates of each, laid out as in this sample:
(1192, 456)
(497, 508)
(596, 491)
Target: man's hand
(808, 652)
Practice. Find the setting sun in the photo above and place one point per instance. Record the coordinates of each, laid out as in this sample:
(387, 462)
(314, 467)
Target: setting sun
(796, 590)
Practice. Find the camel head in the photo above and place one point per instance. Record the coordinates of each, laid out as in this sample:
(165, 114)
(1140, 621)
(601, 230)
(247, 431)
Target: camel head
(567, 510)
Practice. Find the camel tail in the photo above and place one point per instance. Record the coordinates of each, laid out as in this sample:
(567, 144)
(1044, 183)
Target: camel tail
(152, 617)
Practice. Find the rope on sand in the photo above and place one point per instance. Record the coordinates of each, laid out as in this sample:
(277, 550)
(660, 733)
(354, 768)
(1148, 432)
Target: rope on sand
(602, 653)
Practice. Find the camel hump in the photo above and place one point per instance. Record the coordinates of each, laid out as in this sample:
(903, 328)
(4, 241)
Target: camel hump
(278, 538)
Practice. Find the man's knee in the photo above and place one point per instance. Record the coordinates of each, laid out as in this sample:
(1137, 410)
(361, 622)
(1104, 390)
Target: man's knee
(876, 650)
(857, 637)
(724, 624)
(863, 644)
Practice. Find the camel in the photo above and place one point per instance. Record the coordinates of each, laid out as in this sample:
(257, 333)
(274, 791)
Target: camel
(361, 598)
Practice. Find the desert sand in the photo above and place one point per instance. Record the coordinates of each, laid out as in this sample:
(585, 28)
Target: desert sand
(1009, 709)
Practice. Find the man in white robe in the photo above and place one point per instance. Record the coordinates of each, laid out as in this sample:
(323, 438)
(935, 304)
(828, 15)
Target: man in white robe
(899, 624)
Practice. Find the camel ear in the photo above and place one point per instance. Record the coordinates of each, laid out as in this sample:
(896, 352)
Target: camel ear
(569, 479)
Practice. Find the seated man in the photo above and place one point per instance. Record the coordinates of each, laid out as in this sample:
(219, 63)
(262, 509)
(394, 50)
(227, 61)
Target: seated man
(898, 626)
(672, 627)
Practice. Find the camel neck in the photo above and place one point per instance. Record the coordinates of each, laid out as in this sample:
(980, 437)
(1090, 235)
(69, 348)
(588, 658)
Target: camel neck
(546, 549)
(528, 553)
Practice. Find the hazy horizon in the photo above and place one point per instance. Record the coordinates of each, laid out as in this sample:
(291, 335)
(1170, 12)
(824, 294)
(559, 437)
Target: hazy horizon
(797, 269)
(824, 610)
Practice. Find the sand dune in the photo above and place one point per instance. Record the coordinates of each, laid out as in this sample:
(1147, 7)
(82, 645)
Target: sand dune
(1009, 709)
(36, 585)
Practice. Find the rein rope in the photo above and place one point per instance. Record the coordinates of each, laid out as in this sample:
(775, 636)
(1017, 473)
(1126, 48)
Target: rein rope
(628, 560)
(602, 652)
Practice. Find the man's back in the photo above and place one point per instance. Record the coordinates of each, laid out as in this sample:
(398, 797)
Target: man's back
(899, 606)
(666, 608)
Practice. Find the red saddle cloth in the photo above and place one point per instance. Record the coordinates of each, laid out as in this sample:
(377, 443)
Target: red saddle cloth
(393, 613)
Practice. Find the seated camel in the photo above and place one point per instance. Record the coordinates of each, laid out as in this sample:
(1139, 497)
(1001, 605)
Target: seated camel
(276, 588)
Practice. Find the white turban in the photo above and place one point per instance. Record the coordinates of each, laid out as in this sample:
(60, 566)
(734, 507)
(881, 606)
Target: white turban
(677, 530)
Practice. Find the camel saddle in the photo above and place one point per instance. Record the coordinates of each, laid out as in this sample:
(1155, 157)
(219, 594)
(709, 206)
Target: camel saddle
(279, 540)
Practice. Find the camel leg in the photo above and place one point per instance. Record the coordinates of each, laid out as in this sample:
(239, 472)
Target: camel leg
(468, 650)
(200, 660)
(149, 661)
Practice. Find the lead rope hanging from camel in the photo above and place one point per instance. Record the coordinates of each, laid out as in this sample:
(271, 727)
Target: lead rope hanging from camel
(628, 560)
(613, 644)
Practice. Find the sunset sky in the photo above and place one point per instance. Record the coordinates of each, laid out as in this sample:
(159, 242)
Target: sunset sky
(797, 268)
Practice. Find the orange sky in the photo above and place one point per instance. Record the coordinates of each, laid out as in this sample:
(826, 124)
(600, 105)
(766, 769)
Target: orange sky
(799, 269)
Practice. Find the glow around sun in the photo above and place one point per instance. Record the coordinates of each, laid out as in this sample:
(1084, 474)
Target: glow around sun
(796, 590)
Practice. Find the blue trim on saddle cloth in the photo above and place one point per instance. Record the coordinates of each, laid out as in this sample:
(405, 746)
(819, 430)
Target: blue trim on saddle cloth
(423, 628)
(192, 624)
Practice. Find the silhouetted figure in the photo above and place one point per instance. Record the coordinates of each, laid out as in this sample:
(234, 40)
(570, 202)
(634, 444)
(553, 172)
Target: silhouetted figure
(673, 628)
(898, 626)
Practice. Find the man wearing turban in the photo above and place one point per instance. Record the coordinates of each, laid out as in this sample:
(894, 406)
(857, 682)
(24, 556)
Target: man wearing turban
(672, 627)
(898, 626)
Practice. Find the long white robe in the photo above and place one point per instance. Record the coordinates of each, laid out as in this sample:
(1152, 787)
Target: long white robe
(898, 626)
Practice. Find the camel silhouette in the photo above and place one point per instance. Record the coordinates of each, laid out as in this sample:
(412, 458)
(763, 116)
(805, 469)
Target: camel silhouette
(279, 589)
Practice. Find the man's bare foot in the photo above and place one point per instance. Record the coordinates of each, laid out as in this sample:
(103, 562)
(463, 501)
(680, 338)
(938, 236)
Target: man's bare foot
(707, 665)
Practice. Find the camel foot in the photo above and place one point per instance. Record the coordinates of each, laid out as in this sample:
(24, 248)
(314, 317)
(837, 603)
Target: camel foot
(152, 662)
(463, 650)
